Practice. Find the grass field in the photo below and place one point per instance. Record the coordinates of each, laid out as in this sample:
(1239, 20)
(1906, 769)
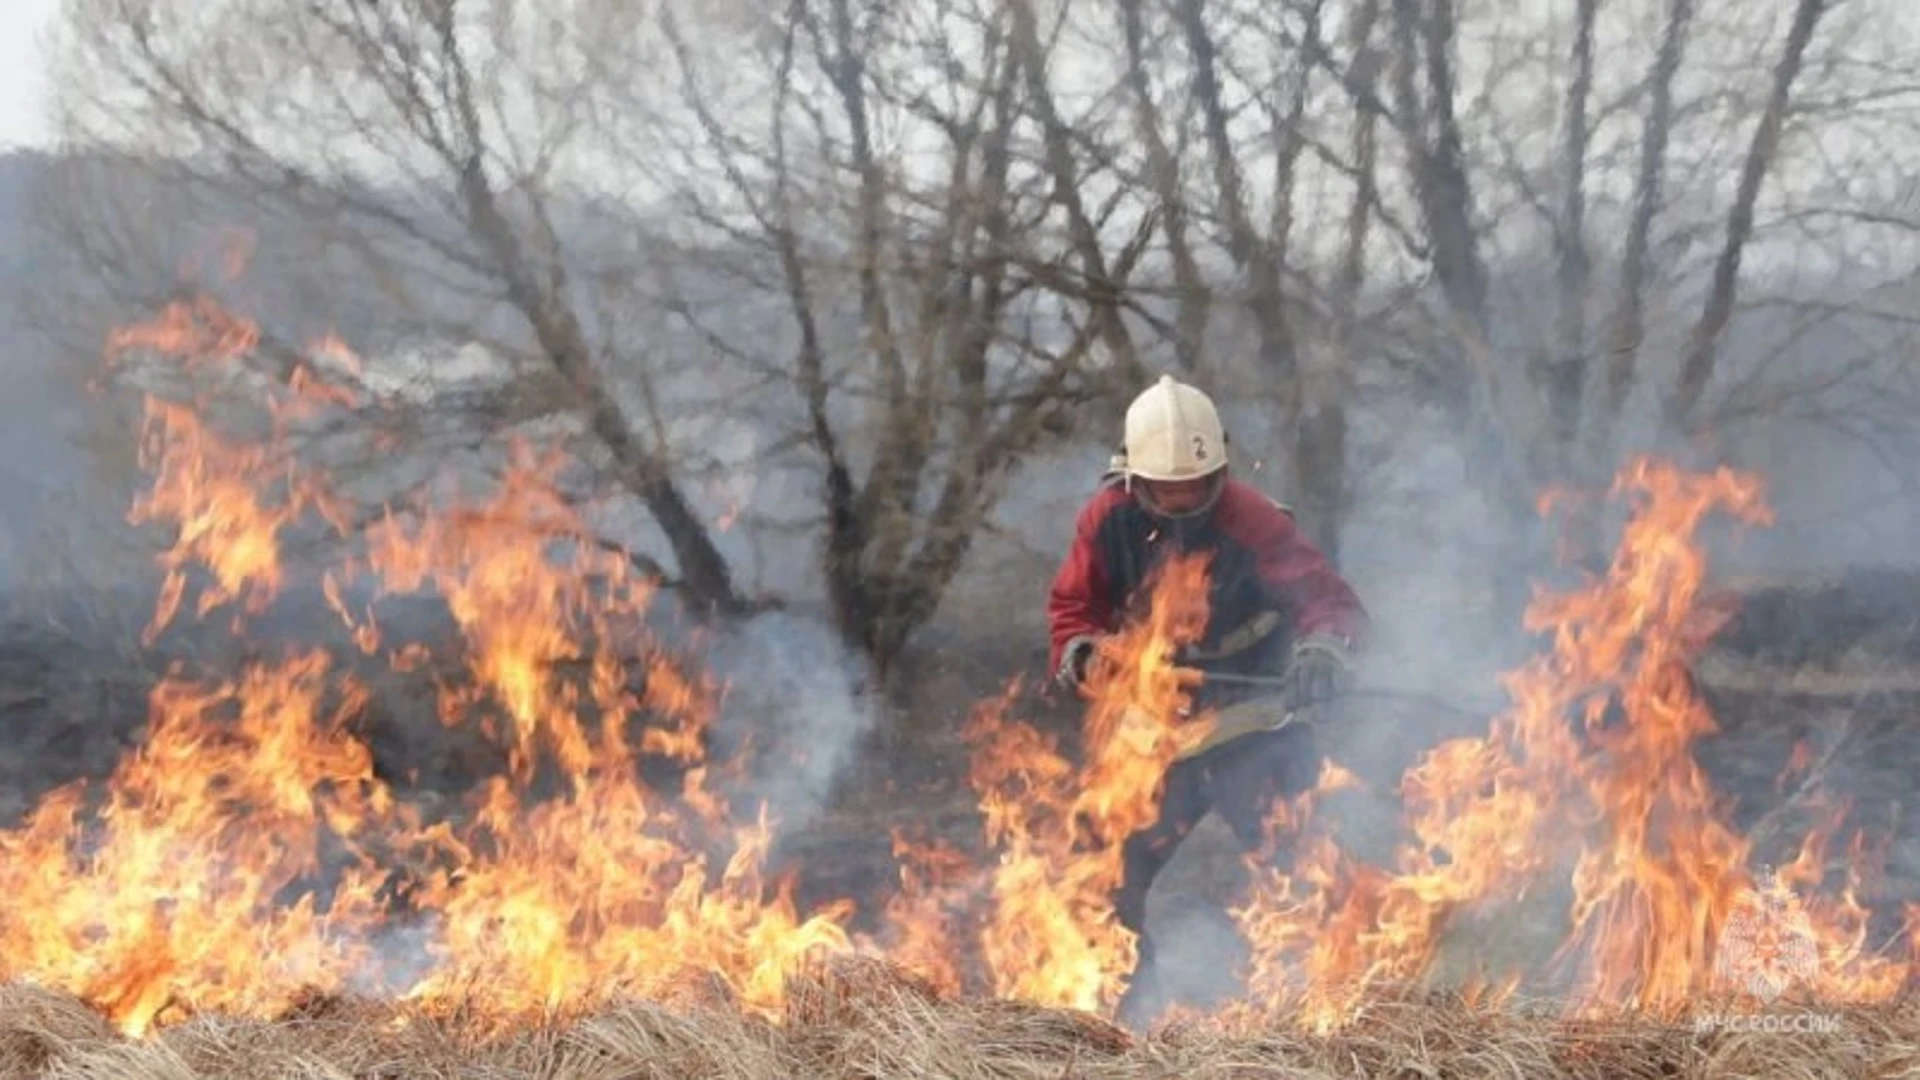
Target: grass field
(862, 1020)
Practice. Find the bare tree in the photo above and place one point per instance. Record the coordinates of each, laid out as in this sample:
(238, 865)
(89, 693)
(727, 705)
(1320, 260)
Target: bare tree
(1629, 316)
(1697, 367)
(989, 293)
(1327, 385)
(1561, 417)
(1193, 294)
(983, 281)
(925, 255)
(1565, 376)
(1248, 83)
(434, 134)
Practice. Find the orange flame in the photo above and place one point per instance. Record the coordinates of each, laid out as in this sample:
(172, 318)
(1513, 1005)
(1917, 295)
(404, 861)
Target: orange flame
(179, 886)
(247, 855)
(1590, 774)
(1052, 937)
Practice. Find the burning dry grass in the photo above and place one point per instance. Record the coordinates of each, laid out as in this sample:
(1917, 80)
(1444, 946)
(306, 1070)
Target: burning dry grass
(868, 1019)
(213, 909)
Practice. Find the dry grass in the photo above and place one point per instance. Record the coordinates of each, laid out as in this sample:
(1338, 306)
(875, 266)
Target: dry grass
(865, 1020)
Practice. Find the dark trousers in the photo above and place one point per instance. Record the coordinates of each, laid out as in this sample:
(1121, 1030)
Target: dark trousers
(1242, 780)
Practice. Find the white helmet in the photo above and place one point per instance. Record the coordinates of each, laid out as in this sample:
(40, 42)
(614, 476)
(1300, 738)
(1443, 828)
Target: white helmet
(1174, 435)
(1173, 432)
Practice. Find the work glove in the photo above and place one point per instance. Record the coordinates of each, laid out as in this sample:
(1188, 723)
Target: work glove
(1320, 669)
(1074, 659)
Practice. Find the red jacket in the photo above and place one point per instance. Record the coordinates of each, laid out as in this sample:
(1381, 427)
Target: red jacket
(1261, 561)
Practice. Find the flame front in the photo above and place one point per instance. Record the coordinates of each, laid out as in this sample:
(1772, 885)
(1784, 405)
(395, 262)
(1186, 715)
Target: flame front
(555, 904)
(1590, 777)
(246, 855)
(182, 885)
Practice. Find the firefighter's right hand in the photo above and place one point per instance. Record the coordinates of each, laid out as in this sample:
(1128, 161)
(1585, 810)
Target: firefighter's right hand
(1074, 660)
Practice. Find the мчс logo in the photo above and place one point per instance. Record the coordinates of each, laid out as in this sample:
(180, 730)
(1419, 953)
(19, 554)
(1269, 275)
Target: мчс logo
(1768, 944)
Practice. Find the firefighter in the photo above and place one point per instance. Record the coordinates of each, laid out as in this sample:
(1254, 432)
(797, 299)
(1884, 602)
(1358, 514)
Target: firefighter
(1277, 609)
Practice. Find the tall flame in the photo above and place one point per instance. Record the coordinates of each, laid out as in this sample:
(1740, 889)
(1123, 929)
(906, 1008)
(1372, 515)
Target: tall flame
(1052, 937)
(1590, 775)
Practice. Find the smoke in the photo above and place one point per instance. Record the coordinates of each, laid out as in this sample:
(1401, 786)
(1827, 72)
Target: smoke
(403, 955)
(797, 702)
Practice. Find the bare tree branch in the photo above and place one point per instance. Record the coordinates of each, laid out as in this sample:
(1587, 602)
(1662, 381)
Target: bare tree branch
(1627, 324)
(1565, 376)
(1192, 294)
(1697, 367)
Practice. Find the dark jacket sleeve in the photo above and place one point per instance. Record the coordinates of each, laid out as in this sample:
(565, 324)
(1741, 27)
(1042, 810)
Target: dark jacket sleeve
(1080, 600)
(1295, 572)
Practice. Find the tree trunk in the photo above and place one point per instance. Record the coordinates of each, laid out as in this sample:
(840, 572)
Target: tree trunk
(1252, 256)
(1697, 369)
(1627, 324)
(1320, 440)
(1566, 373)
(706, 580)
(1193, 298)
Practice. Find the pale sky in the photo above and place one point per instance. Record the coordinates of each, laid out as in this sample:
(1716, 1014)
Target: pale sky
(23, 76)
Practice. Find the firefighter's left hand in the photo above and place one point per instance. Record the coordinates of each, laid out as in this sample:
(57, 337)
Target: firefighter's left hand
(1321, 669)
